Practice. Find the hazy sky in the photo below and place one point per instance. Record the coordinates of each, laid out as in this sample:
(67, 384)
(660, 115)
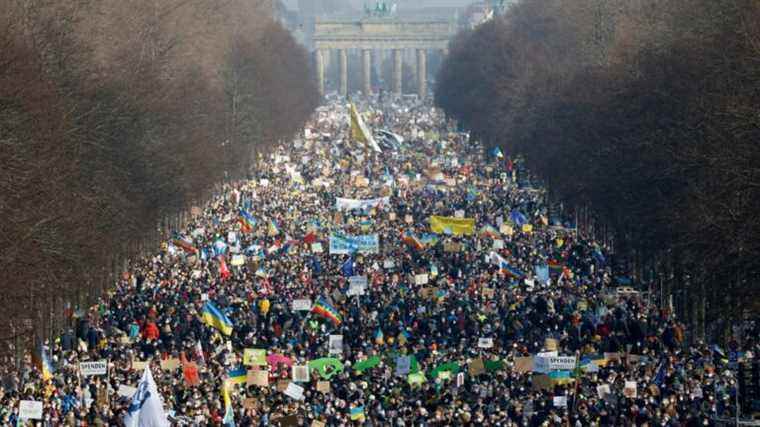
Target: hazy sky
(293, 4)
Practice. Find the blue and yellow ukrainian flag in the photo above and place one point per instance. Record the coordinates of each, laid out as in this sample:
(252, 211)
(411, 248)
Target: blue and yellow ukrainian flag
(213, 317)
(229, 414)
(42, 361)
(237, 375)
(357, 413)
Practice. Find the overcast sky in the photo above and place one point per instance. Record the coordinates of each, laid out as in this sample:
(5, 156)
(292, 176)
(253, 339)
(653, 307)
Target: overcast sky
(293, 4)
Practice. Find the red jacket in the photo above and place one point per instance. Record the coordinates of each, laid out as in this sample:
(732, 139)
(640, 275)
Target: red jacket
(151, 331)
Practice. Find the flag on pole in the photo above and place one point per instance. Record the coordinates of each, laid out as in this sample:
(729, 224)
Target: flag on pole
(360, 132)
(324, 309)
(229, 414)
(42, 361)
(347, 269)
(213, 317)
(247, 221)
(146, 409)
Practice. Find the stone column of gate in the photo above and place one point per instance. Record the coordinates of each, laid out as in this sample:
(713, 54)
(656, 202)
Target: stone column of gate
(422, 73)
(367, 71)
(320, 60)
(343, 57)
(398, 63)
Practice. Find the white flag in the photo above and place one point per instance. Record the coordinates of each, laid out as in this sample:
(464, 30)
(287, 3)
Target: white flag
(146, 409)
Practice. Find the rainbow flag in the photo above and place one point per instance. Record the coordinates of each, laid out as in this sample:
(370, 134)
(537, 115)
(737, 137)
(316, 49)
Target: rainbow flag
(412, 241)
(273, 228)
(555, 265)
(213, 317)
(247, 221)
(237, 375)
(324, 309)
(489, 231)
(185, 246)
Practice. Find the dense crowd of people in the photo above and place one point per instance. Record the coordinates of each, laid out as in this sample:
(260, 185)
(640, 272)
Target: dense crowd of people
(449, 329)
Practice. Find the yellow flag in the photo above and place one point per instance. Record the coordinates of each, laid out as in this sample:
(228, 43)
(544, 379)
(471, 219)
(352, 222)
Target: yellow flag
(450, 225)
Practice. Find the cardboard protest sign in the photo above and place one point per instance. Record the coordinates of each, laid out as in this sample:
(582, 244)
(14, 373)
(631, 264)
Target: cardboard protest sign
(551, 344)
(323, 386)
(170, 364)
(317, 423)
(138, 365)
(30, 410)
(420, 279)
(523, 365)
(257, 377)
(476, 367)
(250, 403)
(286, 421)
(506, 229)
(294, 391)
(99, 367)
(300, 373)
(452, 247)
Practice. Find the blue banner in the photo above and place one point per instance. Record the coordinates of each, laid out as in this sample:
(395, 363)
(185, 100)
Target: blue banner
(342, 244)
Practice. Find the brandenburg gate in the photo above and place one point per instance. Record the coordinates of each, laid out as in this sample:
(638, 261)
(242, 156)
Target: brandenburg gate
(379, 33)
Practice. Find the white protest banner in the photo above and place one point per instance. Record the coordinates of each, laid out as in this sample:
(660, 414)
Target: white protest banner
(126, 391)
(336, 344)
(294, 391)
(485, 342)
(553, 363)
(300, 373)
(349, 204)
(301, 304)
(360, 280)
(420, 279)
(237, 260)
(343, 244)
(560, 401)
(93, 368)
(30, 410)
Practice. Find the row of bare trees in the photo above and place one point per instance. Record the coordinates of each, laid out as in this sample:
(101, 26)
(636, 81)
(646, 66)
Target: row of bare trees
(115, 115)
(646, 111)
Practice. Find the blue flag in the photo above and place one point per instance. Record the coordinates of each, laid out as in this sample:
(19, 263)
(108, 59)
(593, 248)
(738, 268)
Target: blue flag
(542, 273)
(347, 269)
